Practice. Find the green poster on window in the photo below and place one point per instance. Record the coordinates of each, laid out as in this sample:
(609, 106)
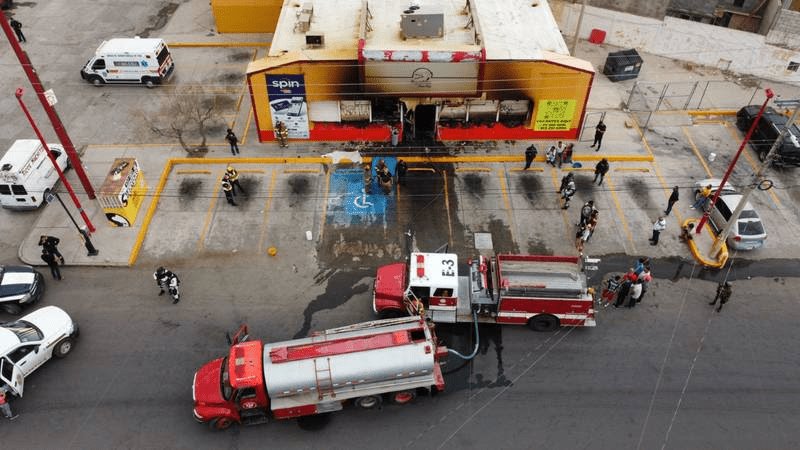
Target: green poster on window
(554, 115)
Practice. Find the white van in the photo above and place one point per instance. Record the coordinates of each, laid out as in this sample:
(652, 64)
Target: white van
(129, 60)
(27, 175)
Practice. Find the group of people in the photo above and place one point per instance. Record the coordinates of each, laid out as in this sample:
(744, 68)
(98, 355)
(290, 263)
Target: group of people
(559, 154)
(230, 182)
(586, 225)
(384, 176)
(627, 290)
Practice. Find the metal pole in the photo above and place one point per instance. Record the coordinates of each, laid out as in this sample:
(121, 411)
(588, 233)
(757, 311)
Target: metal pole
(58, 127)
(702, 96)
(728, 172)
(661, 97)
(87, 242)
(630, 97)
(689, 98)
(61, 176)
(755, 180)
(578, 29)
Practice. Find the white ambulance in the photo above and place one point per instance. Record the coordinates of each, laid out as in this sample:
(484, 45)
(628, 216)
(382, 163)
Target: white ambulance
(129, 60)
(27, 175)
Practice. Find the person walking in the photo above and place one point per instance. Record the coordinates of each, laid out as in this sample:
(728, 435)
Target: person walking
(600, 170)
(401, 169)
(592, 224)
(579, 242)
(233, 140)
(569, 191)
(5, 407)
(586, 213)
(724, 291)
(559, 153)
(17, 26)
(52, 262)
(530, 154)
(50, 244)
(233, 179)
(636, 293)
(565, 181)
(673, 198)
(227, 188)
(167, 281)
(599, 131)
(658, 226)
(702, 198)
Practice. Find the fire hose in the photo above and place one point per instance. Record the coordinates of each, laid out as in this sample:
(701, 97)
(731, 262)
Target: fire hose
(477, 340)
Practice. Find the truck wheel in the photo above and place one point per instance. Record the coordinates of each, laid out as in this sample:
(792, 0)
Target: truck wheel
(63, 347)
(369, 401)
(543, 322)
(390, 314)
(403, 397)
(147, 81)
(13, 309)
(97, 81)
(220, 423)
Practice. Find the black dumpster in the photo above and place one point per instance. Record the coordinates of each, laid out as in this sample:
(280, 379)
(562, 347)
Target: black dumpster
(622, 65)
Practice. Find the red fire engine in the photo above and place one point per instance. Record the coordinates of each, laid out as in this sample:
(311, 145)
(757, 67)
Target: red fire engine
(543, 292)
(366, 363)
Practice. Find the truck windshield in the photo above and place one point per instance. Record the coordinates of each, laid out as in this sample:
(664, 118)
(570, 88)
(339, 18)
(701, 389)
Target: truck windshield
(225, 381)
(162, 56)
(25, 331)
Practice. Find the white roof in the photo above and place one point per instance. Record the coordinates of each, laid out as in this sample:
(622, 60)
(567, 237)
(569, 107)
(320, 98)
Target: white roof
(8, 341)
(129, 45)
(511, 29)
(439, 270)
(20, 152)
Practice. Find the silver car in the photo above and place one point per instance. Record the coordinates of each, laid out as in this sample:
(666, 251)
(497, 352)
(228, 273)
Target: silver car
(749, 233)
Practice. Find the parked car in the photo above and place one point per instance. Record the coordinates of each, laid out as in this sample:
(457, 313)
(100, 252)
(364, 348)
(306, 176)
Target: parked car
(19, 286)
(29, 342)
(767, 131)
(749, 233)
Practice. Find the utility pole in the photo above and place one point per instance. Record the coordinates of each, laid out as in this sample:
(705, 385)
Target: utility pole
(58, 127)
(578, 29)
(755, 181)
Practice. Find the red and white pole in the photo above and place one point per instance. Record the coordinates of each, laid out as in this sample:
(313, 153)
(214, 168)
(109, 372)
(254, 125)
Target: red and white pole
(704, 219)
(64, 180)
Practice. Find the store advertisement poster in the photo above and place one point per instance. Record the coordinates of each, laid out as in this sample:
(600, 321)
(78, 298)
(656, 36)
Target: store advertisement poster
(287, 103)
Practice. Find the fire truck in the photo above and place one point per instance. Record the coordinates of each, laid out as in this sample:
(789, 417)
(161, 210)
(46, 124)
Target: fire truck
(365, 363)
(543, 292)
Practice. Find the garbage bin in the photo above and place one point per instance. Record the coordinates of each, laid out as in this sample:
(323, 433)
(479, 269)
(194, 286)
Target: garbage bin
(395, 136)
(622, 65)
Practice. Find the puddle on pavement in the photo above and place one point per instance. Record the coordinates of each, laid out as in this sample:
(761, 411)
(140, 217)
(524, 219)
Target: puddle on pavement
(461, 374)
(230, 78)
(501, 237)
(189, 189)
(531, 186)
(536, 247)
(159, 19)
(298, 189)
(240, 56)
(639, 191)
(340, 288)
(474, 184)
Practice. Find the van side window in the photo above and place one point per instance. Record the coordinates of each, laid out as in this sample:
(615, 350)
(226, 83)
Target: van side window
(126, 63)
(723, 209)
(5, 189)
(18, 189)
(100, 64)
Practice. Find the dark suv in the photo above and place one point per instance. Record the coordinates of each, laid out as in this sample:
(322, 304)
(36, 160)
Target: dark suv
(767, 131)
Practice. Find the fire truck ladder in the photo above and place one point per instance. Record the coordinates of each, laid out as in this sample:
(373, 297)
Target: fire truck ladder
(324, 380)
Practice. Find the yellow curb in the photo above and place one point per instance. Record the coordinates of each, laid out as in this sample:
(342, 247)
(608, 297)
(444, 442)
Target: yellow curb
(475, 169)
(696, 253)
(631, 169)
(712, 112)
(421, 169)
(162, 181)
(217, 44)
(183, 172)
(576, 169)
(511, 158)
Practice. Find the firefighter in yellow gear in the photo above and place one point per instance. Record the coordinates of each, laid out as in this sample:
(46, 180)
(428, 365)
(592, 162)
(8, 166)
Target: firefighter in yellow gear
(282, 134)
(233, 178)
(227, 188)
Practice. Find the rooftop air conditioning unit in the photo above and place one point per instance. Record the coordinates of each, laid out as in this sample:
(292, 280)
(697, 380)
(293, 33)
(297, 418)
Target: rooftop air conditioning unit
(425, 22)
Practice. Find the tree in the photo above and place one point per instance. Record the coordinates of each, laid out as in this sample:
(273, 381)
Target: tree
(187, 117)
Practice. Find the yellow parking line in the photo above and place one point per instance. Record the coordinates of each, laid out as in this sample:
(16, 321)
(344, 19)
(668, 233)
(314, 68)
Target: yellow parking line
(473, 169)
(507, 202)
(325, 202)
(712, 112)
(531, 169)
(556, 184)
(447, 207)
(247, 127)
(252, 171)
(162, 181)
(184, 172)
(421, 169)
(667, 189)
(620, 212)
(300, 170)
(751, 161)
(631, 169)
(697, 152)
(267, 206)
(209, 213)
(644, 139)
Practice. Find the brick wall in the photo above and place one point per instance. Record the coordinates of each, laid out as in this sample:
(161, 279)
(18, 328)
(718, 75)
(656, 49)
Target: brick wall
(786, 30)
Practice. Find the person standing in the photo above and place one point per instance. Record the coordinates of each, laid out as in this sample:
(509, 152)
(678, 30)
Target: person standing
(565, 181)
(5, 407)
(645, 278)
(550, 155)
(401, 169)
(586, 213)
(636, 293)
(724, 291)
(658, 226)
(227, 188)
(52, 262)
(625, 288)
(559, 153)
(17, 26)
(673, 198)
(600, 170)
(566, 156)
(233, 140)
(593, 223)
(50, 244)
(579, 242)
(609, 293)
(233, 179)
(530, 154)
(702, 197)
(686, 232)
(569, 191)
(282, 133)
(599, 131)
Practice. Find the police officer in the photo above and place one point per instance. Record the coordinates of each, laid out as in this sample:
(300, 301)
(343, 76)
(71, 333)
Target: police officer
(227, 188)
(401, 170)
(233, 179)
(723, 294)
(530, 154)
(162, 276)
(50, 245)
(233, 140)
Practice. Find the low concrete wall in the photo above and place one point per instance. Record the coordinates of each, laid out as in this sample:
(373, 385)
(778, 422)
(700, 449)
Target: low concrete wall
(684, 40)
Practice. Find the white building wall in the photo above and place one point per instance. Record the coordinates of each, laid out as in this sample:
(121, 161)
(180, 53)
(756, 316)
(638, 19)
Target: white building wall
(684, 40)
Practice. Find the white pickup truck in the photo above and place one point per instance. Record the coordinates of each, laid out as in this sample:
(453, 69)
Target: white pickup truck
(29, 342)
